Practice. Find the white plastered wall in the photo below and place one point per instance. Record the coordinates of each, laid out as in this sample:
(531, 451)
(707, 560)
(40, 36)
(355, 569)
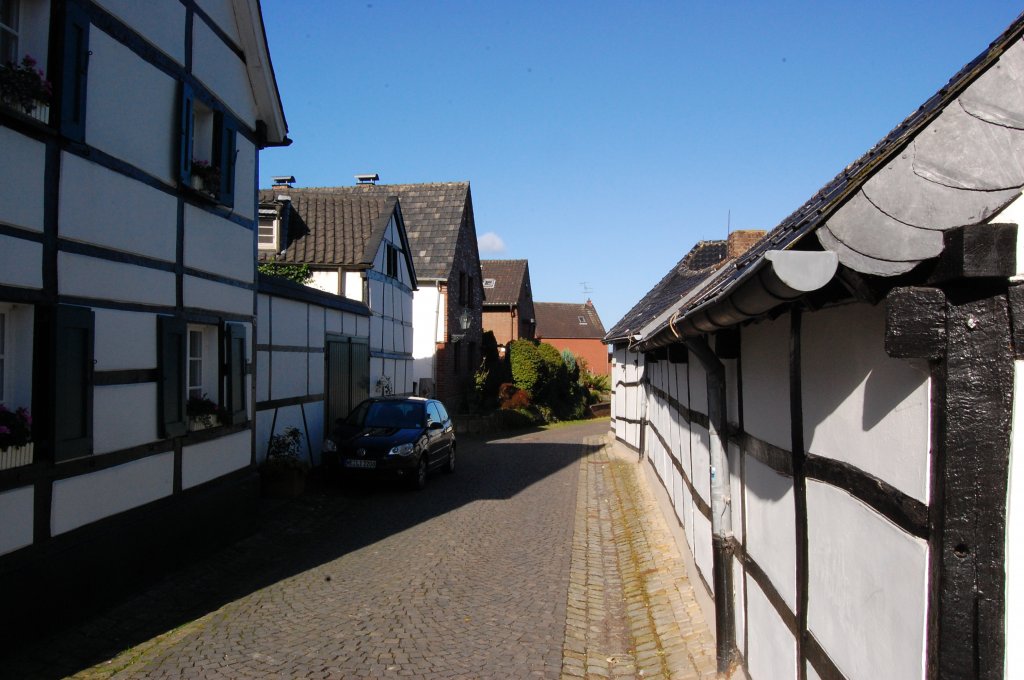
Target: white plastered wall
(223, 72)
(868, 409)
(124, 87)
(215, 458)
(428, 306)
(866, 588)
(162, 24)
(24, 169)
(84, 499)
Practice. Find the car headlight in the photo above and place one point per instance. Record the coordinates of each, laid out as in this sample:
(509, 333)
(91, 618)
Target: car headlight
(402, 450)
(330, 446)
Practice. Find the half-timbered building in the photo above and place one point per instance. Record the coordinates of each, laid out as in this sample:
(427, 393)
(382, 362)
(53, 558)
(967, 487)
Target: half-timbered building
(127, 287)
(830, 416)
(356, 247)
(447, 302)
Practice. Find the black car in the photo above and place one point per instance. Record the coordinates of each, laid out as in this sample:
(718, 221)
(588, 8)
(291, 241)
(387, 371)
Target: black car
(395, 437)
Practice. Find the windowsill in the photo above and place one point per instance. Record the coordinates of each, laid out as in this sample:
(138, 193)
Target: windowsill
(38, 118)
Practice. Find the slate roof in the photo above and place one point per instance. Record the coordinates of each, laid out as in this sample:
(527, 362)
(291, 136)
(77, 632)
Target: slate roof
(562, 320)
(819, 208)
(333, 229)
(702, 261)
(433, 214)
(508, 278)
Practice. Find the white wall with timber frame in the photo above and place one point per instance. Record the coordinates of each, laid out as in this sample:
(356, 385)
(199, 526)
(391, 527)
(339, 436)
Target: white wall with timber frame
(98, 222)
(860, 583)
(391, 337)
(292, 332)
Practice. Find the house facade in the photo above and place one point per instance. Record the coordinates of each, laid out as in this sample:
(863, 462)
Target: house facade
(830, 416)
(127, 287)
(356, 247)
(508, 301)
(577, 328)
(447, 303)
(312, 362)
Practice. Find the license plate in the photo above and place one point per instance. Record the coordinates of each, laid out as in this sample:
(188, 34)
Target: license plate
(361, 463)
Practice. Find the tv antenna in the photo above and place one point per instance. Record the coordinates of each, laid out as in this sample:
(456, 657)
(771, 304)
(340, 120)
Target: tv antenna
(587, 290)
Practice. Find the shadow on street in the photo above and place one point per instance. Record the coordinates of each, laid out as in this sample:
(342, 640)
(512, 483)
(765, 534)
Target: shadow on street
(331, 520)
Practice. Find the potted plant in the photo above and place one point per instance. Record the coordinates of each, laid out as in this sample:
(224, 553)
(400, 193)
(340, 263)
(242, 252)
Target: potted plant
(205, 177)
(16, 447)
(25, 89)
(283, 473)
(202, 413)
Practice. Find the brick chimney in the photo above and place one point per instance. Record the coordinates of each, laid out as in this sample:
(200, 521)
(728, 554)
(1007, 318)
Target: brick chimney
(742, 241)
(282, 182)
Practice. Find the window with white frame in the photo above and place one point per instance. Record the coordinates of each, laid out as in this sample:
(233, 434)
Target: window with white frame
(203, 364)
(268, 229)
(489, 283)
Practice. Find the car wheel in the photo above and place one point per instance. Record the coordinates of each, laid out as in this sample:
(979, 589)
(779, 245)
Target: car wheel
(450, 467)
(420, 480)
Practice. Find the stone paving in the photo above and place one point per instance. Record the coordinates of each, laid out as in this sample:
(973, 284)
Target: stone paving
(535, 560)
(631, 611)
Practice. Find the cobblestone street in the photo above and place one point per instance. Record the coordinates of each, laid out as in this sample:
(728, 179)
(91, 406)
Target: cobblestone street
(530, 561)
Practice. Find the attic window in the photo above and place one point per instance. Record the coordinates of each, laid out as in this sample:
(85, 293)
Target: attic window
(268, 230)
(488, 283)
(583, 320)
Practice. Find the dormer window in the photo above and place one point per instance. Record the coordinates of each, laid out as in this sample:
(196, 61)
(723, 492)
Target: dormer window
(269, 233)
(488, 283)
(583, 320)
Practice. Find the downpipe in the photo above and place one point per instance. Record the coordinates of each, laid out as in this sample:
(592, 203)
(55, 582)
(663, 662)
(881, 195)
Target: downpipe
(721, 504)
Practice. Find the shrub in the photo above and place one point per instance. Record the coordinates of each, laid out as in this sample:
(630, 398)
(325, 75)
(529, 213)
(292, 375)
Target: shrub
(527, 365)
(518, 399)
(299, 273)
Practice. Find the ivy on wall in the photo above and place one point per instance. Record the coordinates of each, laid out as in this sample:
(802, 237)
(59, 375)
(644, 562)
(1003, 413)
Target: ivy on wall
(299, 273)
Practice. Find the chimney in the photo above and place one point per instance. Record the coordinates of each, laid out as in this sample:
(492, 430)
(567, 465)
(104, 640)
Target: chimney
(742, 241)
(367, 179)
(282, 182)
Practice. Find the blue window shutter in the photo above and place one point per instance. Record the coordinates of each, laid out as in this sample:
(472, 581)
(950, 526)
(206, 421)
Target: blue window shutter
(171, 348)
(185, 135)
(235, 360)
(73, 372)
(227, 162)
(74, 72)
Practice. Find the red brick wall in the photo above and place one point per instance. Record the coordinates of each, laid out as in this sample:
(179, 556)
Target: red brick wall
(592, 350)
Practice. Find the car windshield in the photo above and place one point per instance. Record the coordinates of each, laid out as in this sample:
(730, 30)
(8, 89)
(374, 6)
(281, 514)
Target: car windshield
(389, 414)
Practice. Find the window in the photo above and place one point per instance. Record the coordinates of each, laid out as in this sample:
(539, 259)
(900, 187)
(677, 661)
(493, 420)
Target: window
(207, 148)
(268, 230)
(24, 38)
(488, 283)
(9, 31)
(196, 363)
(392, 260)
(433, 415)
(583, 320)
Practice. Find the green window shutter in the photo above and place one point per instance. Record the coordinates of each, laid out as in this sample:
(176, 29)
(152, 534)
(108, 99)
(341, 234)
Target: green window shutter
(226, 153)
(73, 372)
(235, 360)
(74, 72)
(171, 347)
(185, 135)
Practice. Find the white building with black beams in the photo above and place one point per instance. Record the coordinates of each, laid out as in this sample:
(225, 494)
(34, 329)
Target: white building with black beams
(832, 416)
(127, 285)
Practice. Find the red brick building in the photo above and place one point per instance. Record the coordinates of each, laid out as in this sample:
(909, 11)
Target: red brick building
(508, 300)
(575, 327)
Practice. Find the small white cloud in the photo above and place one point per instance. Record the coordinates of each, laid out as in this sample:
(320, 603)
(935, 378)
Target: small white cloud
(491, 243)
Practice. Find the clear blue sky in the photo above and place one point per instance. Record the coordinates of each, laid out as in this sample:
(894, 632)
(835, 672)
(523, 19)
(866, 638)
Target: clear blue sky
(603, 139)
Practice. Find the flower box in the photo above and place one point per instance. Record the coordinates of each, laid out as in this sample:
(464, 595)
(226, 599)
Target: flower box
(16, 456)
(25, 90)
(199, 423)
